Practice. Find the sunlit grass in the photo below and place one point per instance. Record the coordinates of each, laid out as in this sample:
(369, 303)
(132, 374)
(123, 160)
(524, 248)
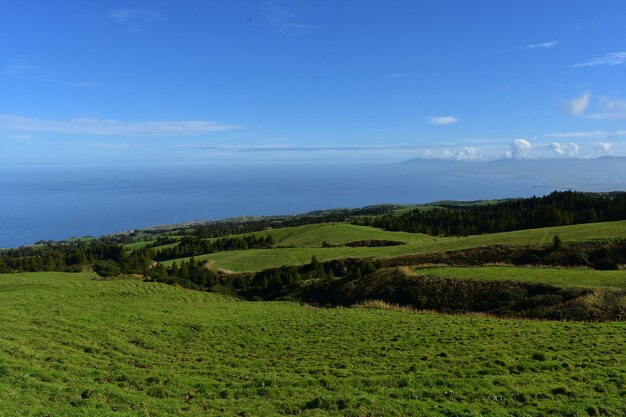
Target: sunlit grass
(72, 346)
(308, 240)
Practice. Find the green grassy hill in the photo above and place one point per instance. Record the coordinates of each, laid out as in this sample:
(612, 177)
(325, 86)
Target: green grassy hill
(556, 276)
(308, 240)
(73, 346)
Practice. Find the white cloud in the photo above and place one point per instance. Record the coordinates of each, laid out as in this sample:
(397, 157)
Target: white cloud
(605, 116)
(23, 69)
(588, 134)
(570, 149)
(108, 127)
(614, 109)
(19, 68)
(613, 105)
(605, 147)
(442, 120)
(613, 58)
(549, 44)
(135, 19)
(519, 148)
(286, 17)
(578, 105)
(467, 153)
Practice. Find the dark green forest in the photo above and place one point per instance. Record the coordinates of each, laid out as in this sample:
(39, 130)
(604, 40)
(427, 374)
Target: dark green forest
(556, 209)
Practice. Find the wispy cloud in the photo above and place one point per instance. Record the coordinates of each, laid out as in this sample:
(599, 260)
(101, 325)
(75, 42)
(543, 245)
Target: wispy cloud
(613, 105)
(614, 109)
(108, 127)
(288, 148)
(578, 105)
(135, 19)
(23, 69)
(19, 68)
(588, 134)
(287, 17)
(606, 116)
(613, 58)
(550, 44)
(570, 149)
(442, 120)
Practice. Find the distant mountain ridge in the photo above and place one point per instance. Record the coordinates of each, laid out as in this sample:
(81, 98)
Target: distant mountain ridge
(605, 173)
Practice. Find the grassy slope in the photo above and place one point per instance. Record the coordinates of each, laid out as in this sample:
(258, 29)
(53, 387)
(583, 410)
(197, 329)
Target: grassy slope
(73, 346)
(560, 277)
(308, 239)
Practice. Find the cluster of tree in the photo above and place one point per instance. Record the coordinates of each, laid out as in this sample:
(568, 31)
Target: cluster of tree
(192, 246)
(138, 261)
(502, 298)
(289, 281)
(190, 274)
(163, 240)
(72, 256)
(63, 256)
(556, 209)
(271, 281)
(593, 254)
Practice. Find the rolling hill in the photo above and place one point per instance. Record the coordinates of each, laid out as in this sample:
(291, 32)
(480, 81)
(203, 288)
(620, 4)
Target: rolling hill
(305, 241)
(74, 346)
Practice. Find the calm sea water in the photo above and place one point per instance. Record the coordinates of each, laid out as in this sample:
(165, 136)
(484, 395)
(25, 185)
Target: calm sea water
(59, 203)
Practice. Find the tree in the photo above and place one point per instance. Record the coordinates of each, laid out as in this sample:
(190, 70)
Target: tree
(556, 243)
(106, 268)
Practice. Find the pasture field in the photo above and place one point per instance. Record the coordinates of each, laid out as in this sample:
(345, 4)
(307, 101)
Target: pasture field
(145, 243)
(139, 245)
(307, 240)
(74, 346)
(563, 277)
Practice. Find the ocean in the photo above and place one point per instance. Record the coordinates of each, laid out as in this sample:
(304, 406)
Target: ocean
(42, 203)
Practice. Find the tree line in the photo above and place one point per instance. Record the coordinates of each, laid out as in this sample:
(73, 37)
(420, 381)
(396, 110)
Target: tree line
(191, 246)
(72, 256)
(555, 209)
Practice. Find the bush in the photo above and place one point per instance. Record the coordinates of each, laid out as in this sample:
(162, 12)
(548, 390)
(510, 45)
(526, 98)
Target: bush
(605, 265)
(528, 259)
(539, 301)
(578, 259)
(107, 268)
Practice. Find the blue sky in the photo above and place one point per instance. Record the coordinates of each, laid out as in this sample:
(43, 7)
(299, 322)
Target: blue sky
(142, 82)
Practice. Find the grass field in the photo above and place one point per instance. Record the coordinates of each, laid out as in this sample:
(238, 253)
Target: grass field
(560, 277)
(72, 346)
(138, 245)
(308, 239)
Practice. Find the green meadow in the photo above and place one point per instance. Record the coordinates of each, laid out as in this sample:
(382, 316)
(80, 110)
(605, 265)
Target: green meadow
(74, 346)
(563, 277)
(302, 242)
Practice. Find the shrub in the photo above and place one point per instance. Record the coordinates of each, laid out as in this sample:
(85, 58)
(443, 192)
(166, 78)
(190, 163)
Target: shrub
(107, 268)
(605, 265)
